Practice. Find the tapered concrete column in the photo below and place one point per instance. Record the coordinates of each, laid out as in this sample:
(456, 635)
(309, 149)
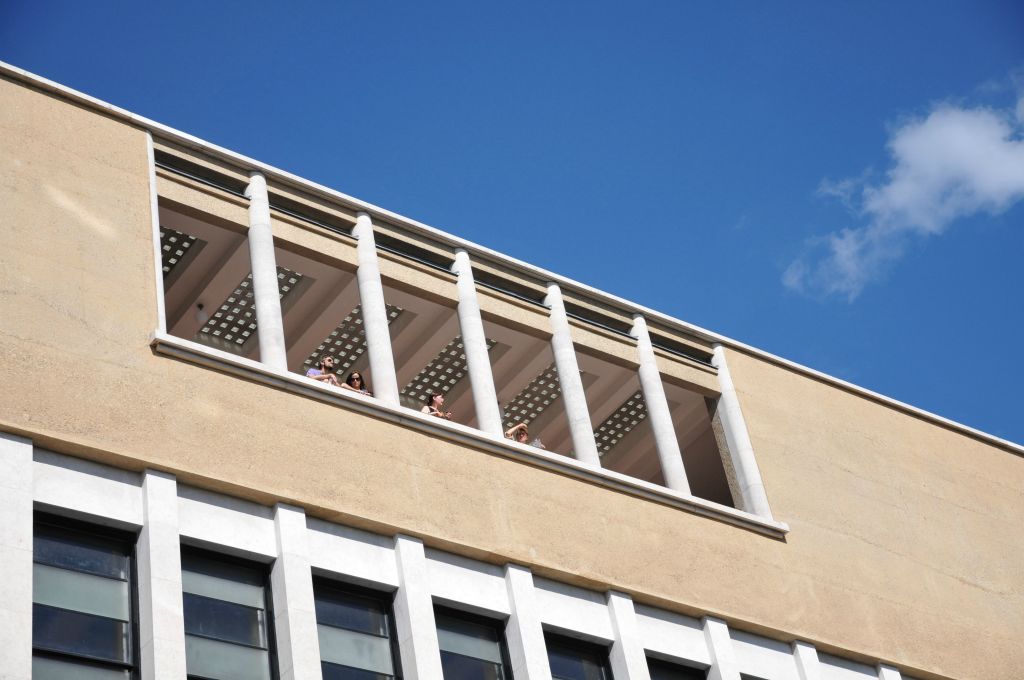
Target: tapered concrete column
(291, 583)
(741, 451)
(16, 558)
(524, 635)
(806, 658)
(575, 399)
(265, 291)
(375, 314)
(627, 657)
(414, 613)
(723, 658)
(161, 616)
(665, 439)
(474, 342)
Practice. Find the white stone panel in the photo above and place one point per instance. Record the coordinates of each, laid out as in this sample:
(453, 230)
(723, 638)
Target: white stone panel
(578, 612)
(226, 524)
(414, 613)
(672, 636)
(835, 668)
(466, 584)
(524, 634)
(354, 555)
(723, 657)
(16, 557)
(763, 657)
(806, 658)
(161, 616)
(92, 491)
(298, 647)
(626, 656)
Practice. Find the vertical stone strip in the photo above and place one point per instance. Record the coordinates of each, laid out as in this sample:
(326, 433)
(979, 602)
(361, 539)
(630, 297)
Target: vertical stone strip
(627, 657)
(723, 658)
(741, 451)
(265, 290)
(524, 635)
(888, 673)
(158, 556)
(573, 395)
(665, 439)
(158, 260)
(375, 313)
(414, 613)
(806, 658)
(291, 583)
(16, 557)
(474, 342)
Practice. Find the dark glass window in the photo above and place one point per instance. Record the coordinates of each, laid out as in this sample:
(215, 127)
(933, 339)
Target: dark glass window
(355, 631)
(227, 634)
(472, 648)
(83, 601)
(575, 660)
(663, 670)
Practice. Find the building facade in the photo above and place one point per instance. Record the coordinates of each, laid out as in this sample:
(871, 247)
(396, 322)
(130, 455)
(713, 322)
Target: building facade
(184, 496)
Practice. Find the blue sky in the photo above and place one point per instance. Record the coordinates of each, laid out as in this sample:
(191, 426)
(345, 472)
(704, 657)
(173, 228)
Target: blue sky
(841, 184)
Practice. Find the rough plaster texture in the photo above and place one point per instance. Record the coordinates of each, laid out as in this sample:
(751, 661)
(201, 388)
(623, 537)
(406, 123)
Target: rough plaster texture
(905, 542)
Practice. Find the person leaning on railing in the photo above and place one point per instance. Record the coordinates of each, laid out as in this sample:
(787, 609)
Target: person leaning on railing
(434, 402)
(354, 382)
(323, 371)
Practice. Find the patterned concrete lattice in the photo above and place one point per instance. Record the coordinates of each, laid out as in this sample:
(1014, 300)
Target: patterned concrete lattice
(234, 322)
(535, 398)
(347, 342)
(173, 247)
(620, 423)
(442, 374)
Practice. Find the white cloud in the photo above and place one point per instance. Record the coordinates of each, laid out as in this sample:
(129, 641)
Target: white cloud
(953, 163)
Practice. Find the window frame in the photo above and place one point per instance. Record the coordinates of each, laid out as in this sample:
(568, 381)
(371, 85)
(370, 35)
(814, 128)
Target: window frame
(384, 597)
(576, 644)
(58, 524)
(657, 661)
(268, 602)
(500, 625)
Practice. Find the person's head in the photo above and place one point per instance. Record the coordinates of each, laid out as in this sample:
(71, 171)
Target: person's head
(355, 379)
(326, 364)
(435, 400)
(522, 435)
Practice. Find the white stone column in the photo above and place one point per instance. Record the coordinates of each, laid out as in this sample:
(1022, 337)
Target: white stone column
(888, 673)
(474, 342)
(806, 658)
(414, 613)
(723, 658)
(741, 451)
(665, 440)
(158, 556)
(524, 635)
(16, 557)
(291, 583)
(265, 291)
(627, 657)
(375, 314)
(573, 395)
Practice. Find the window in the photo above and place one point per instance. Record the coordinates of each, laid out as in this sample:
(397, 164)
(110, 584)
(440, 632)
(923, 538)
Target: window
(472, 647)
(574, 660)
(663, 670)
(83, 602)
(227, 622)
(356, 632)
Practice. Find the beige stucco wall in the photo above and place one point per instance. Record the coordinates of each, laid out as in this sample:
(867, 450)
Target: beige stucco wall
(905, 542)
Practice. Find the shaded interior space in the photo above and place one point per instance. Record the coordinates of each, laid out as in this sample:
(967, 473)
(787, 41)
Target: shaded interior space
(527, 386)
(701, 443)
(209, 299)
(426, 342)
(622, 431)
